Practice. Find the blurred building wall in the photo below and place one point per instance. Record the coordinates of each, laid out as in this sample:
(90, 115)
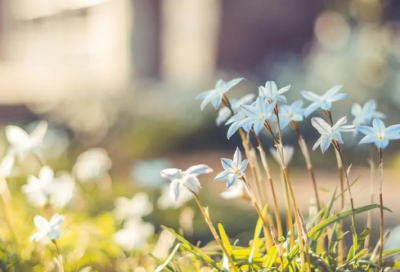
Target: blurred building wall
(52, 49)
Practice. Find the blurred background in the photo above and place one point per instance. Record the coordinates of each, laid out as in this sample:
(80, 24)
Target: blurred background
(122, 75)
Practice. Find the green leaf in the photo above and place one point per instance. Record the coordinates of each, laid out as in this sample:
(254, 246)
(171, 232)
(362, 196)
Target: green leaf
(257, 242)
(323, 224)
(224, 238)
(193, 249)
(168, 260)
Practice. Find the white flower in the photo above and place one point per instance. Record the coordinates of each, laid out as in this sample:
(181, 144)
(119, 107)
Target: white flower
(62, 190)
(47, 189)
(138, 206)
(165, 201)
(287, 151)
(46, 228)
(23, 143)
(38, 189)
(234, 191)
(134, 235)
(186, 179)
(92, 165)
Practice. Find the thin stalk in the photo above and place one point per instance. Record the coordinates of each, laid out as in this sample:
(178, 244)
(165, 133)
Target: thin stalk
(271, 184)
(214, 231)
(370, 213)
(279, 124)
(306, 155)
(266, 225)
(382, 222)
(289, 219)
(59, 256)
(340, 171)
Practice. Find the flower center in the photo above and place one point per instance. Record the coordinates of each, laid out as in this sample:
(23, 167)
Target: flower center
(262, 117)
(380, 137)
(237, 171)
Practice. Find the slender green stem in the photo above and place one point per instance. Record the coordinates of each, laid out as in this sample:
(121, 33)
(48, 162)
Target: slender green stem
(382, 222)
(214, 232)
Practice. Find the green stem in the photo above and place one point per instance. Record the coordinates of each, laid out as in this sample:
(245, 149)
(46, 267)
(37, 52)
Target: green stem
(214, 232)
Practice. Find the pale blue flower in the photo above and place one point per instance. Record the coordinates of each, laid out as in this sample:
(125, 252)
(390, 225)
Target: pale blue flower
(50, 229)
(328, 133)
(294, 113)
(186, 178)
(225, 112)
(215, 95)
(271, 93)
(233, 169)
(363, 115)
(323, 101)
(257, 114)
(379, 134)
(235, 123)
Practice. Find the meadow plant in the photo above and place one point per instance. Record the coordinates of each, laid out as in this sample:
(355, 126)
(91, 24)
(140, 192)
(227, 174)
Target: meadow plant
(89, 237)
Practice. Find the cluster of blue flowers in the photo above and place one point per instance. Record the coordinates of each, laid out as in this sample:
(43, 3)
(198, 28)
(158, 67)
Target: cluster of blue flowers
(271, 109)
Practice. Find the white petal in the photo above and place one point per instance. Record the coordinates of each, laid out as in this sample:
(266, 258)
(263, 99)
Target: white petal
(323, 127)
(38, 133)
(46, 174)
(41, 223)
(56, 221)
(174, 189)
(16, 136)
(340, 122)
(237, 158)
(38, 236)
(192, 183)
(199, 169)
(171, 173)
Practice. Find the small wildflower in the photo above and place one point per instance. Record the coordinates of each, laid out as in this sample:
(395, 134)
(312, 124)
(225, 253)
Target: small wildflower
(225, 112)
(287, 151)
(138, 206)
(233, 169)
(363, 115)
(186, 178)
(46, 228)
(134, 235)
(92, 165)
(48, 189)
(294, 113)
(257, 114)
(323, 101)
(328, 133)
(379, 134)
(235, 123)
(23, 143)
(166, 201)
(215, 95)
(271, 93)
(237, 190)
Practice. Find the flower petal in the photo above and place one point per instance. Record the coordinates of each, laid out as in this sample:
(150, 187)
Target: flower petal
(174, 189)
(339, 96)
(356, 109)
(243, 165)
(237, 158)
(41, 223)
(332, 91)
(171, 173)
(392, 132)
(227, 164)
(223, 115)
(222, 176)
(317, 143)
(311, 108)
(230, 84)
(231, 180)
(192, 183)
(325, 143)
(199, 169)
(207, 99)
(382, 143)
(310, 96)
(368, 139)
(56, 220)
(367, 130)
(378, 125)
(323, 127)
